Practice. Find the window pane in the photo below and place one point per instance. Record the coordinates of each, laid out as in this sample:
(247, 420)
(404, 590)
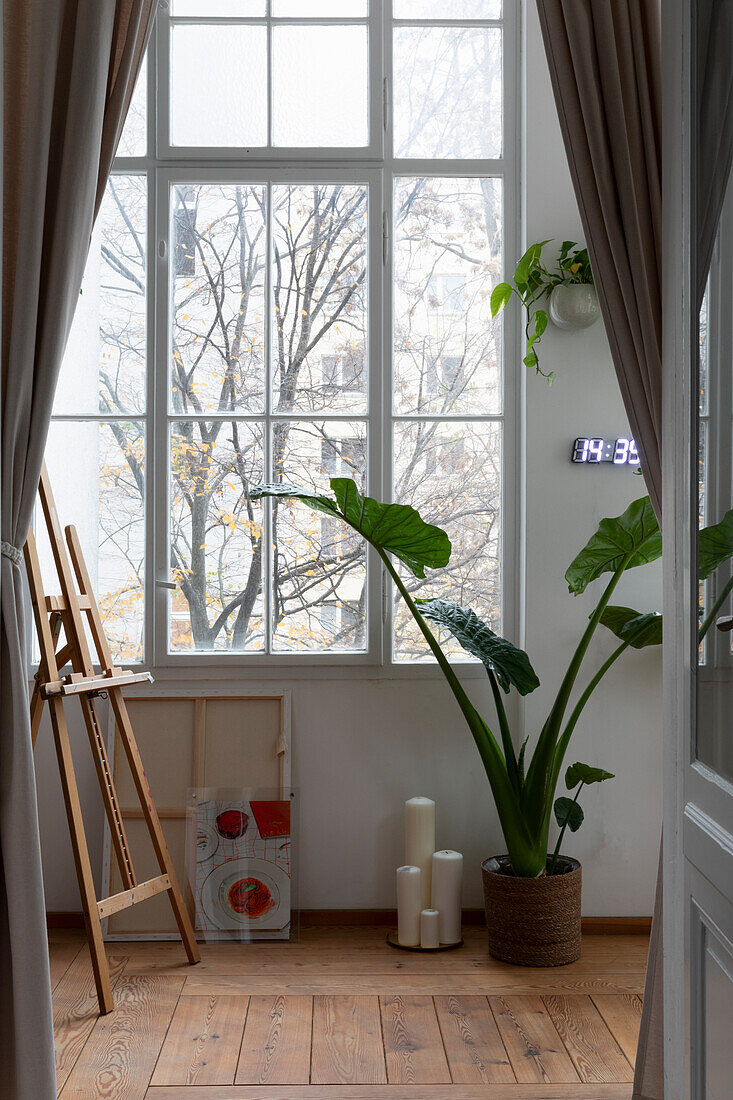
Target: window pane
(440, 9)
(133, 140)
(447, 93)
(451, 472)
(218, 7)
(104, 366)
(97, 474)
(321, 9)
(319, 287)
(217, 264)
(319, 564)
(218, 85)
(320, 86)
(447, 349)
(216, 536)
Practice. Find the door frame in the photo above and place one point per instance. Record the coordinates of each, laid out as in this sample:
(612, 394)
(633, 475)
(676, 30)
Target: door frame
(698, 845)
(677, 361)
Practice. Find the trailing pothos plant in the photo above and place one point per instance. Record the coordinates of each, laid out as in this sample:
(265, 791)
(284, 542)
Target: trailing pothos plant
(532, 282)
(523, 783)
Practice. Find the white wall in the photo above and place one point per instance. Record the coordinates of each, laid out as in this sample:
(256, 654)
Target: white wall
(362, 746)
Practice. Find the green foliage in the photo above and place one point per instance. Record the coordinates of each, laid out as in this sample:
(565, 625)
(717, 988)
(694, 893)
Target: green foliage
(532, 282)
(584, 773)
(510, 665)
(714, 546)
(633, 538)
(639, 630)
(523, 785)
(568, 812)
(394, 528)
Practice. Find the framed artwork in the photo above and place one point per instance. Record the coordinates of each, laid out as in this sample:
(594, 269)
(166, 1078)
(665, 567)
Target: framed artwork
(240, 848)
(189, 740)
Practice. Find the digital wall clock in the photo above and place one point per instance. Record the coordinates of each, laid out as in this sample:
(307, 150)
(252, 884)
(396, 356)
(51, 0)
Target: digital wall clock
(620, 451)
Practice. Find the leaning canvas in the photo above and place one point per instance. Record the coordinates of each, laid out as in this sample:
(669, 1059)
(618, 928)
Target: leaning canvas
(240, 853)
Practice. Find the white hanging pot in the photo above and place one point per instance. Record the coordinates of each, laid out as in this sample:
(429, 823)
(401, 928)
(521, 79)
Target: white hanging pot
(574, 306)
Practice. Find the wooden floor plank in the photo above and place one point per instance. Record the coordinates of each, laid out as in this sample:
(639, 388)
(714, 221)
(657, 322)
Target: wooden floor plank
(120, 1054)
(276, 1049)
(623, 1017)
(595, 1053)
(291, 982)
(61, 955)
(76, 1010)
(203, 1041)
(472, 1042)
(535, 1049)
(413, 1045)
(400, 1092)
(347, 1041)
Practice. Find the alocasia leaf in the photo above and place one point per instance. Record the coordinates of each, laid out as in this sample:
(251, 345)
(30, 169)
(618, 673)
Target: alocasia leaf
(715, 545)
(637, 628)
(394, 528)
(584, 773)
(568, 813)
(509, 664)
(633, 538)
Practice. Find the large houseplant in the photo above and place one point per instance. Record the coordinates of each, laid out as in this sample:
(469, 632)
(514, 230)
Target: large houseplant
(523, 782)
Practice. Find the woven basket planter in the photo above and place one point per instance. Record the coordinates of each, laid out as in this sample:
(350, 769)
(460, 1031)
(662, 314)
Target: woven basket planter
(533, 921)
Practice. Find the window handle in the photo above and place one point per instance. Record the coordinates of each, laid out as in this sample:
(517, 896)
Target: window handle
(171, 585)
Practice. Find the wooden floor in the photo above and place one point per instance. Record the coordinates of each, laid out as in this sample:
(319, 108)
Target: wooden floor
(340, 1015)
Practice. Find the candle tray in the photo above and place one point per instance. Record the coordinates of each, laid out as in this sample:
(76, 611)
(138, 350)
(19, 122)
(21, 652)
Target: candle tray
(394, 942)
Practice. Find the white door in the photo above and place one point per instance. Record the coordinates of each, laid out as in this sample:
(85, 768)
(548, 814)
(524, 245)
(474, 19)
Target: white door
(698, 463)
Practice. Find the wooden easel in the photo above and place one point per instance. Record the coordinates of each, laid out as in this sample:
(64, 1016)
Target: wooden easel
(51, 613)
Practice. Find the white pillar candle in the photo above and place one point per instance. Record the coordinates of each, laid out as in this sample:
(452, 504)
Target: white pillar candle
(447, 880)
(420, 840)
(409, 905)
(430, 928)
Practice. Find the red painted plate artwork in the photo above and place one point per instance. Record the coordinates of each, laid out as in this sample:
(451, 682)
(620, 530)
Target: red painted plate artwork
(246, 892)
(272, 817)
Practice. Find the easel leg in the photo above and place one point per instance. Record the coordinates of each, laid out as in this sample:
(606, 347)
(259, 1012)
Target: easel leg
(100, 966)
(124, 728)
(109, 794)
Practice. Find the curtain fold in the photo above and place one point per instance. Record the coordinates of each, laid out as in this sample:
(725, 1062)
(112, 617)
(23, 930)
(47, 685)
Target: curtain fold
(604, 58)
(68, 72)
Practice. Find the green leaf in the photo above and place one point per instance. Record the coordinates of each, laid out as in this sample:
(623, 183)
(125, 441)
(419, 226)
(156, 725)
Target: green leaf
(530, 359)
(715, 545)
(509, 664)
(638, 629)
(584, 773)
(568, 813)
(551, 377)
(624, 541)
(540, 323)
(500, 297)
(528, 261)
(396, 529)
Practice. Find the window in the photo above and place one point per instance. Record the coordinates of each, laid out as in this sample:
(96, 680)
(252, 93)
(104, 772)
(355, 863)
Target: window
(289, 280)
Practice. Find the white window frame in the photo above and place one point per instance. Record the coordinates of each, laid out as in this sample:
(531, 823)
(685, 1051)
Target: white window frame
(375, 166)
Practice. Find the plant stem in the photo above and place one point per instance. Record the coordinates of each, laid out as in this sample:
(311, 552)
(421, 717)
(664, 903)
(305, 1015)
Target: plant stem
(564, 740)
(556, 853)
(526, 859)
(538, 784)
(506, 737)
(710, 617)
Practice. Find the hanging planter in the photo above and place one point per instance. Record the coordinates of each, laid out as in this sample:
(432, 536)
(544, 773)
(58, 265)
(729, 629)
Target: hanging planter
(569, 291)
(574, 306)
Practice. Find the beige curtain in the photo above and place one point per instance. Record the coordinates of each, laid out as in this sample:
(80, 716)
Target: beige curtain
(68, 72)
(605, 64)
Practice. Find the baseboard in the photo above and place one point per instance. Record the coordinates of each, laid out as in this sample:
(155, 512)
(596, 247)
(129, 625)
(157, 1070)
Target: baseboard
(320, 918)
